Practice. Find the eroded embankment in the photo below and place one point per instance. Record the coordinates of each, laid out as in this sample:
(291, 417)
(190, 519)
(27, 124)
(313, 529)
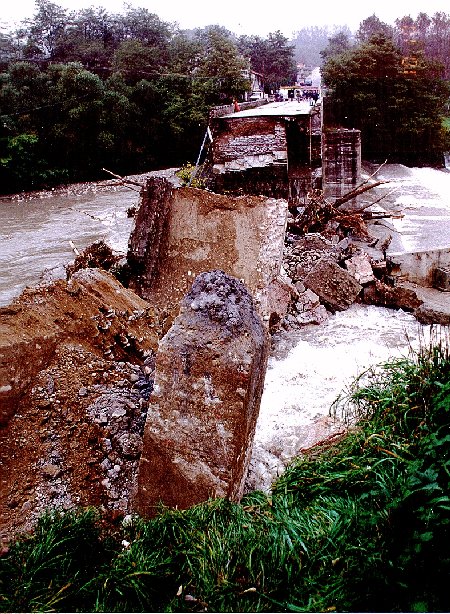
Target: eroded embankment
(76, 367)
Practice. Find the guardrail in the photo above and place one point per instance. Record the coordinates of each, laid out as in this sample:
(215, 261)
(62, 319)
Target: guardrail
(227, 109)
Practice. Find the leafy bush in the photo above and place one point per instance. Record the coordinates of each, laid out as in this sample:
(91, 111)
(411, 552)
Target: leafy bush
(188, 175)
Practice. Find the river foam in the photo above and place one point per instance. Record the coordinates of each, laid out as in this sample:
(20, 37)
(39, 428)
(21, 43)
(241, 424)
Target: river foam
(310, 367)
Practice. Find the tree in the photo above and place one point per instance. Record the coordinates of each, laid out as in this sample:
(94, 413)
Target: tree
(399, 113)
(134, 60)
(337, 44)
(281, 65)
(89, 38)
(372, 26)
(44, 30)
(220, 67)
(272, 57)
(256, 50)
(21, 165)
(185, 52)
(140, 24)
(438, 46)
(8, 50)
(427, 35)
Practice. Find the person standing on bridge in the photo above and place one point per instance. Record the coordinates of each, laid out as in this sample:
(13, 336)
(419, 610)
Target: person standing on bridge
(236, 105)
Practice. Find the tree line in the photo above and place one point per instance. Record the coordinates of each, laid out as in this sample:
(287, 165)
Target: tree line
(392, 84)
(428, 34)
(85, 90)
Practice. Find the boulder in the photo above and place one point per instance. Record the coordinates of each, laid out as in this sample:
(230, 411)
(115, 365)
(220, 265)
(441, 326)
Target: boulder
(395, 297)
(308, 309)
(430, 314)
(210, 370)
(359, 266)
(335, 287)
(305, 252)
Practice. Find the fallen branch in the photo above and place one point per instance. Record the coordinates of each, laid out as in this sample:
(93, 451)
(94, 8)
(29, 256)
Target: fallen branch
(74, 249)
(356, 192)
(123, 180)
(378, 215)
(368, 178)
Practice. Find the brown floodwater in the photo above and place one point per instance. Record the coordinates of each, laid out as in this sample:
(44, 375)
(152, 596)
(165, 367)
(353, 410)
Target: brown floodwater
(36, 232)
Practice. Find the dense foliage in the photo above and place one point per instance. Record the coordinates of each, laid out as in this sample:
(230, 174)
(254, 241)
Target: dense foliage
(429, 35)
(361, 526)
(272, 57)
(398, 110)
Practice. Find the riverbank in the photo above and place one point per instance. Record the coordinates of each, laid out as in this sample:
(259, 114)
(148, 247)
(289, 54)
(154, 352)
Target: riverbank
(92, 187)
(40, 230)
(361, 526)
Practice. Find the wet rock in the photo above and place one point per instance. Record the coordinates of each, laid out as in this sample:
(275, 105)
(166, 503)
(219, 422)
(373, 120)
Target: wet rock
(395, 297)
(360, 267)
(210, 370)
(317, 315)
(305, 252)
(427, 314)
(336, 288)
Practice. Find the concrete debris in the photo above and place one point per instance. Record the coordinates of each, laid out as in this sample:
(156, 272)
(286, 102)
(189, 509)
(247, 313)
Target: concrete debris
(336, 288)
(179, 234)
(210, 370)
(429, 314)
(359, 266)
(302, 255)
(215, 274)
(441, 279)
(395, 297)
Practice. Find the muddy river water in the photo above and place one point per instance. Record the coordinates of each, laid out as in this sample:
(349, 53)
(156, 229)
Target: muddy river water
(36, 234)
(306, 371)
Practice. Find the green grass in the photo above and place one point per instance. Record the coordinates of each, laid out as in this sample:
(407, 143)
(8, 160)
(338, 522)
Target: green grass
(360, 526)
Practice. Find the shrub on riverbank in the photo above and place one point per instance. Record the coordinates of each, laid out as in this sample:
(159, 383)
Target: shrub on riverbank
(360, 526)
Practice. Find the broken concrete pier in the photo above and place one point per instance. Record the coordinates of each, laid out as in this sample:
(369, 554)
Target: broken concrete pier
(210, 370)
(180, 233)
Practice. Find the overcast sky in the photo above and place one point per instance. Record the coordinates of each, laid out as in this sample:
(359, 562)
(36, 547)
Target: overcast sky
(250, 16)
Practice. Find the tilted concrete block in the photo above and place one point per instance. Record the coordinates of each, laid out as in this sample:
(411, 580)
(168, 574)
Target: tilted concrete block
(201, 420)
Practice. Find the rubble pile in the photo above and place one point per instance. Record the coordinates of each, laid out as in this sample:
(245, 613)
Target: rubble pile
(328, 276)
(333, 260)
(80, 438)
(76, 366)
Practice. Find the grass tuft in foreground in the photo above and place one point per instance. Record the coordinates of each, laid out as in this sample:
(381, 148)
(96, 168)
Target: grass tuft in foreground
(361, 526)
